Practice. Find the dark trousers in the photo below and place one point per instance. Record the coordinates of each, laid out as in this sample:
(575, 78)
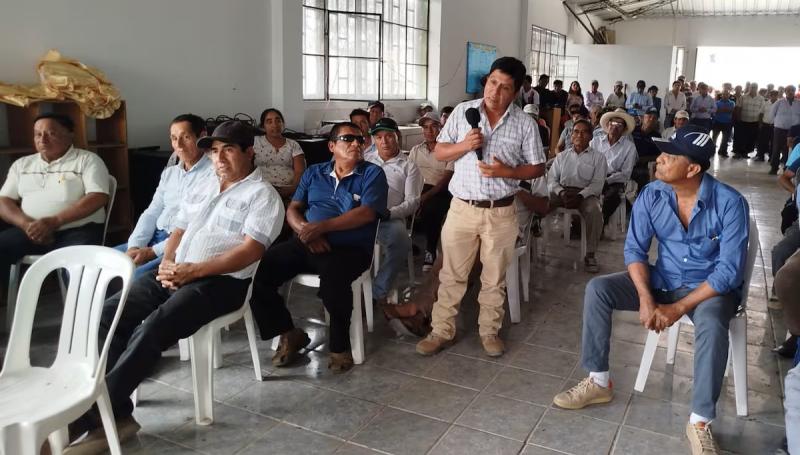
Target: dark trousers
(702, 122)
(669, 120)
(14, 244)
(725, 129)
(612, 196)
(765, 140)
(153, 320)
(745, 140)
(337, 270)
(433, 214)
(779, 151)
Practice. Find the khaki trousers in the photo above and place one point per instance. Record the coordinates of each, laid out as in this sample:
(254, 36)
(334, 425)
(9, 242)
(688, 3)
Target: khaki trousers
(592, 213)
(468, 230)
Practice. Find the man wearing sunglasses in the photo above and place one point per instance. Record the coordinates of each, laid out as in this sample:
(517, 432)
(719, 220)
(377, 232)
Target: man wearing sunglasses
(490, 160)
(334, 213)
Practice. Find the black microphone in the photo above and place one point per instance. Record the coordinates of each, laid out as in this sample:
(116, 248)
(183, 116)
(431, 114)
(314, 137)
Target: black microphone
(474, 119)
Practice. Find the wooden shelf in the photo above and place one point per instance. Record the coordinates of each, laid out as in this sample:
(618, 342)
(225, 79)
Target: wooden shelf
(93, 146)
(16, 151)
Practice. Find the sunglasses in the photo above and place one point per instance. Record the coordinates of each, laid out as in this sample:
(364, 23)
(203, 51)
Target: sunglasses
(351, 138)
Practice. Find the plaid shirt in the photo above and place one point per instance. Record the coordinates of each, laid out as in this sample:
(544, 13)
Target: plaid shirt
(514, 140)
(752, 107)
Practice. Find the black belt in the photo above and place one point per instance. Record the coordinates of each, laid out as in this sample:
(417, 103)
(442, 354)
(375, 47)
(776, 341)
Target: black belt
(505, 202)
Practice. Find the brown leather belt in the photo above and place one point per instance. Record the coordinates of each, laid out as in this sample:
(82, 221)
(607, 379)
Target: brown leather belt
(505, 202)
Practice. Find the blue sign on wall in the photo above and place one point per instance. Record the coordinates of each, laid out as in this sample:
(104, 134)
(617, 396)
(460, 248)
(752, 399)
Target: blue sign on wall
(479, 61)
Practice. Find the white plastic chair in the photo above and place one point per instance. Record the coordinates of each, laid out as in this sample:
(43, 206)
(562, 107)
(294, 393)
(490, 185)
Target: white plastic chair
(37, 402)
(737, 355)
(568, 214)
(520, 264)
(205, 348)
(620, 215)
(393, 295)
(16, 269)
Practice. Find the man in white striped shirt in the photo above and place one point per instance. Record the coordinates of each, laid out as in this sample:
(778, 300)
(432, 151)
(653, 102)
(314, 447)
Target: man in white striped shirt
(674, 101)
(490, 160)
(207, 267)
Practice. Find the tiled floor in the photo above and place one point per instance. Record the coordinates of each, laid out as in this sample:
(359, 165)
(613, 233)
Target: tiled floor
(462, 402)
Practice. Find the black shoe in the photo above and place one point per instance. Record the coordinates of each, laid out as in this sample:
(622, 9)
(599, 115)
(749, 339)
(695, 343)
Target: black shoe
(723, 155)
(788, 349)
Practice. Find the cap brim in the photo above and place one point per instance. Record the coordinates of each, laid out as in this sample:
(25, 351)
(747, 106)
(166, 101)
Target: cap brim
(425, 120)
(206, 141)
(382, 128)
(667, 146)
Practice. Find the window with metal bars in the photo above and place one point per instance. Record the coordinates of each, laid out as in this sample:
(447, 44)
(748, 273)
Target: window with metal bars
(365, 49)
(548, 55)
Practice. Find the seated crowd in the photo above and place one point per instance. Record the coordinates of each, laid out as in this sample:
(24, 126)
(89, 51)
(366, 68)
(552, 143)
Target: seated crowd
(241, 206)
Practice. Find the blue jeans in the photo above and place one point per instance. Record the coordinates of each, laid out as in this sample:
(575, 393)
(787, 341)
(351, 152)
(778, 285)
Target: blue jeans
(711, 318)
(395, 244)
(158, 237)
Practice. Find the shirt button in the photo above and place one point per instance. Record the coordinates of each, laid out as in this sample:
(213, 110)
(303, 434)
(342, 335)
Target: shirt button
(685, 260)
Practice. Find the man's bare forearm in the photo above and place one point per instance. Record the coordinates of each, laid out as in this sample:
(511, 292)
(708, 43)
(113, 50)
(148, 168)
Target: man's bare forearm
(11, 213)
(449, 152)
(172, 244)
(84, 207)
(640, 275)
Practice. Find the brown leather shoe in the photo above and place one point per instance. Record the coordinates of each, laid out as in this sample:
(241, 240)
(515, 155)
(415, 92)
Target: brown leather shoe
(419, 324)
(340, 362)
(289, 347)
(432, 344)
(493, 345)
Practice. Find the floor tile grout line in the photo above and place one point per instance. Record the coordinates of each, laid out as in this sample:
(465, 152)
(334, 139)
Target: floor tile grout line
(618, 431)
(549, 407)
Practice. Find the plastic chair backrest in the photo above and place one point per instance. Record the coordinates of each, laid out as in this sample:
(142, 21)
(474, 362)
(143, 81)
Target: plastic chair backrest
(527, 230)
(753, 245)
(112, 193)
(90, 269)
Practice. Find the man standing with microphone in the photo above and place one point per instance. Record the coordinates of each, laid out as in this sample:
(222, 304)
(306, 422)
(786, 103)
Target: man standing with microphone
(494, 145)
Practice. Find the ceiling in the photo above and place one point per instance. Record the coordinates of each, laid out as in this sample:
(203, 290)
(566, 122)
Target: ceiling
(621, 10)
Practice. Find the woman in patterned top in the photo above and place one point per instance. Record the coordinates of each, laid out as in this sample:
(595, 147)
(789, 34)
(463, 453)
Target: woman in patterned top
(281, 159)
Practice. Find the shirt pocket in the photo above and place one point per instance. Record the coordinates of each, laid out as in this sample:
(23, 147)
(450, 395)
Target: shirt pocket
(705, 247)
(72, 189)
(585, 171)
(231, 215)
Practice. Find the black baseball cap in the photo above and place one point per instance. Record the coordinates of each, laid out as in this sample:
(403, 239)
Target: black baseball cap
(652, 111)
(385, 124)
(690, 141)
(231, 132)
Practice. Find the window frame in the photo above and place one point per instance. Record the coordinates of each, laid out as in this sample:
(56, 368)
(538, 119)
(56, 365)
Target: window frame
(547, 57)
(326, 56)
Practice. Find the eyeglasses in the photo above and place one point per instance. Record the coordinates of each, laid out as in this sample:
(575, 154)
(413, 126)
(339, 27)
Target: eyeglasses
(616, 123)
(351, 138)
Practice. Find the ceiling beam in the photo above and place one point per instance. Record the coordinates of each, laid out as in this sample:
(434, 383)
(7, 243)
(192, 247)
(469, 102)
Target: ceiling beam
(602, 5)
(637, 12)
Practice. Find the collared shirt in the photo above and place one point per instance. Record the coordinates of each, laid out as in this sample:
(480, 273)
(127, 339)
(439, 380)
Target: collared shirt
(405, 184)
(674, 103)
(176, 182)
(325, 197)
(277, 166)
(615, 101)
(432, 169)
(713, 248)
(529, 97)
(45, 189)
(593, 99)
(250, 207)
(786, 115)
(620, 157)
(706, 102)
(724, 113)
(752, 108)
(514, 141)
(642, 99)
(585, 170)
(769, 117)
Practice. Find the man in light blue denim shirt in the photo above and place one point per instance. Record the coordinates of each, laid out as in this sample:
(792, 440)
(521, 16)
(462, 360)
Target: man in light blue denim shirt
(702, 228)
(639, 101)
(148, 239)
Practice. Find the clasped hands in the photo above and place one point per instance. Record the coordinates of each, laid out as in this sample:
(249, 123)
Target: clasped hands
(571, 197)
(311, 234)
(41, 231)
(659, 317)
(173, 276)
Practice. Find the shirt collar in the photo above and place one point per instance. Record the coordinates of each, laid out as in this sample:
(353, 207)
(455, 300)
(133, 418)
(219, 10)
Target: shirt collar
(201, 164)
(502, 118)
(328, 168)
(704, 193)
(70, 151)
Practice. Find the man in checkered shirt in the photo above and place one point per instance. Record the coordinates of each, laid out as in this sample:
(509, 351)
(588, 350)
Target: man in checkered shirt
(482, 216)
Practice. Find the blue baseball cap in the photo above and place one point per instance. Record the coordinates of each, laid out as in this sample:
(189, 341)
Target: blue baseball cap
(691, 141)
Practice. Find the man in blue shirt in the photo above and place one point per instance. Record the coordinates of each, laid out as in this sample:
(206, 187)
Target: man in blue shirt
(723, 120)
(701, 226)
(334, 213)
(639, 102)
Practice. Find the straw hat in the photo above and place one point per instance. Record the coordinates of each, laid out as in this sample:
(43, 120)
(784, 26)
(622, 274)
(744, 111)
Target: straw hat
(630, 123)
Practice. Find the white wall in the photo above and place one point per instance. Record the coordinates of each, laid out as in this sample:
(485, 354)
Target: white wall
(710, 31)
(608, 63)
(166, 57)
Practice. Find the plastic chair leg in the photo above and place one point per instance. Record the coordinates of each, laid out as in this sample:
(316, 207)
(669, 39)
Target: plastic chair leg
(13, 286)
(366, 284)
(183, 349)
(566, 227)
(251, 338)
(109, 425)
(583, 238)
(647, 360)
(217, 349)
(512, 289)
(200, 346)
(738, 340)
(356, 324)
(58, 440)
(525, 270)
(672, 342)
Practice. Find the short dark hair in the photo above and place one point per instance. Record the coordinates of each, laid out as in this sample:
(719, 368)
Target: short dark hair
(377, 104)
(196, 122)
(61, 119)
(266, 112)
(338, 127)
(543, 76)
(583, 121)
(511, 66)
(652, 88)
(558, 82)
(528, 78)
(641, 83)
(358, 112)
(704, 165)
(447, 110)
